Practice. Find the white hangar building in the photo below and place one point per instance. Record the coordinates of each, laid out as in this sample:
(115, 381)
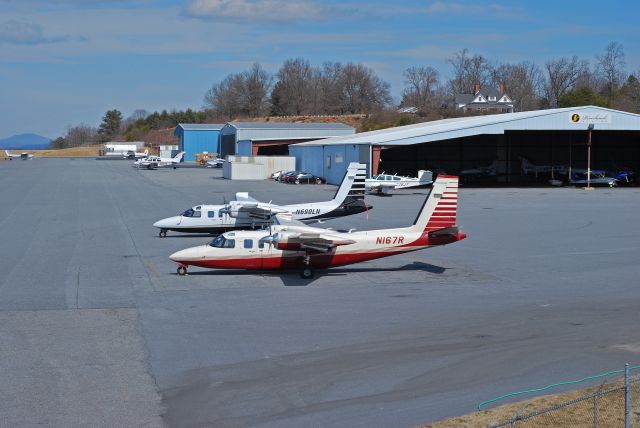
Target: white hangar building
(496, 149)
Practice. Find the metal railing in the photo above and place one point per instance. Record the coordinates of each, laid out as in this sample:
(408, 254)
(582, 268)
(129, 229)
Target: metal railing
(610, 405)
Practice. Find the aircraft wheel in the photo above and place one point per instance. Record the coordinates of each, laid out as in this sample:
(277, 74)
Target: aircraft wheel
(163, 233)
(182, 270)
(297, 181)
(306, 272)
(318, 181)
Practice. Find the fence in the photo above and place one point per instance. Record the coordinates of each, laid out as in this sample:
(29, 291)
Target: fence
(612, 405)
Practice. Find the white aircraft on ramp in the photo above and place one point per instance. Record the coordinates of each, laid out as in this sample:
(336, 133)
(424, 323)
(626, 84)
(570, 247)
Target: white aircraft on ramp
(248, 213)
(298, 246)
(23, 155)
(132, 154)
(154, 162)
(383, 183)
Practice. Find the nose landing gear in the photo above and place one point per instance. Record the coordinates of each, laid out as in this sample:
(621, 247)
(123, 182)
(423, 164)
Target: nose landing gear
(182, 270)
(163, 233)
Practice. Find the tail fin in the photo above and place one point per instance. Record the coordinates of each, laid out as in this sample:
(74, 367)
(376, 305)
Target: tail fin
(352, 186)
(425, 177)
(179, 156)
(440, 207)
(146, 152)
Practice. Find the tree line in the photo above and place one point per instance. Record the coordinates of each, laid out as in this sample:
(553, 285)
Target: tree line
(300, 88)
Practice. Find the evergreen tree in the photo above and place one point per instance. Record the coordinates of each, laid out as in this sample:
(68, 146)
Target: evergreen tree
(110, 126)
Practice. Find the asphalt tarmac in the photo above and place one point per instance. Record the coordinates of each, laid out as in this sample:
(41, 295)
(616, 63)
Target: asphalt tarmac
(97, 329)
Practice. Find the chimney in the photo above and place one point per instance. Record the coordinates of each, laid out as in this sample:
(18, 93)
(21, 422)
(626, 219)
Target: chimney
(476, 88)
(502, 88)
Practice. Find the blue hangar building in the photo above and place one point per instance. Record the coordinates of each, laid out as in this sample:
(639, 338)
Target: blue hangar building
(198, 138)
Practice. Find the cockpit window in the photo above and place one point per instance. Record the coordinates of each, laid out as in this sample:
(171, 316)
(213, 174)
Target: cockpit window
(221, 242)
(191, 213)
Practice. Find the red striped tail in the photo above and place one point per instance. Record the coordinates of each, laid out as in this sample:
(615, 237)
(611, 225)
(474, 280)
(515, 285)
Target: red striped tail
(440, 208)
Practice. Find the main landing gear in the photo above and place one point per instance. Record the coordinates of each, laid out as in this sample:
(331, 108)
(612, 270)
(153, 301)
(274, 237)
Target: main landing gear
(163, 233)
(182, 270)
(307, 271)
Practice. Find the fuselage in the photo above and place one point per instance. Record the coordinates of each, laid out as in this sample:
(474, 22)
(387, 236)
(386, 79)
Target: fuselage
(217, 219)
(258, 250)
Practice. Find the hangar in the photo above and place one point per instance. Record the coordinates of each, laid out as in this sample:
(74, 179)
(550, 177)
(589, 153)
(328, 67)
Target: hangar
(197, 138)
(499, 149)
(274, 138)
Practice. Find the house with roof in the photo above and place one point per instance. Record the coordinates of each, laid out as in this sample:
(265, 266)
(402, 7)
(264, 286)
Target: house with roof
(485, 100)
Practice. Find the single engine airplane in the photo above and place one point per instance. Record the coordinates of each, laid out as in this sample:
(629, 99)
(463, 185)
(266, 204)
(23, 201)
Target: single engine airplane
(154, 162)
(293, 245)
(383, 183)
(23, 155)
(132, 154)
(248, 213)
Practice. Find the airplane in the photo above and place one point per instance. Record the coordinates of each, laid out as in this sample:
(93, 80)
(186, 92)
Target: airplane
(131, 154)
(154, 162)
(248, 213)
(383, 183)
(23, 155)
(293, 245)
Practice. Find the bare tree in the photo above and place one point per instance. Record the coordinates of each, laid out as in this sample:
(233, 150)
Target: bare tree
(80, 135)
(362, 90)
(223, 99)
(562, 75)
(422, 88)
(610, 68)
(523, 83)
(331, 97)
(255, 90)
(293, 93)
(468, 71)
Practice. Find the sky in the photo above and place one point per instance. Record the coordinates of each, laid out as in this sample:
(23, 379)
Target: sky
(66, 62)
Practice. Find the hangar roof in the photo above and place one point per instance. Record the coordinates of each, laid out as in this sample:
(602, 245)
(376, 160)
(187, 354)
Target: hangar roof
(565, 119)
(261, 131)
(201, 126)
(288, 125)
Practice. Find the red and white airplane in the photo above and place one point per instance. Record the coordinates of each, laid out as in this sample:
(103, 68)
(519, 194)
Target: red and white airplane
(294, 245)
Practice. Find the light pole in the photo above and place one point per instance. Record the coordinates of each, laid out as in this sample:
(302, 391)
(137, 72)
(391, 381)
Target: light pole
(591, 126)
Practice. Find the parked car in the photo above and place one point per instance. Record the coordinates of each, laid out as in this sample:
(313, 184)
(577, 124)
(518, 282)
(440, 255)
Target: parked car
(215, 163)
(305, 178)
(284, 178)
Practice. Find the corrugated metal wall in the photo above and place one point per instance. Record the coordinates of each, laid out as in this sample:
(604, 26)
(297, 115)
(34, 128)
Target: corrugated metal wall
(330, 162)
(200, 141)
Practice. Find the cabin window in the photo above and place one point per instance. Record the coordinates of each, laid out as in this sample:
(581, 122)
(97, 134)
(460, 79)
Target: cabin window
(221, 242)
(191, 213)
(248, 243)
(211, 214)
(396, 178)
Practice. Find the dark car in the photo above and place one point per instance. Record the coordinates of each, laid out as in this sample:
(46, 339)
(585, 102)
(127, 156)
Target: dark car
(305, 178)
(284, 178)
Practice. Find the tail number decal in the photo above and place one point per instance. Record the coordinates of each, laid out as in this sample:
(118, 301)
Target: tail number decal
(390, 240)
(307, 211)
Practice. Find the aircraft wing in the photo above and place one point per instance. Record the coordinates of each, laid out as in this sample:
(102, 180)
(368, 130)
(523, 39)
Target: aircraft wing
(309, 241)
(253, 209)
(381, 187)
(244, 197)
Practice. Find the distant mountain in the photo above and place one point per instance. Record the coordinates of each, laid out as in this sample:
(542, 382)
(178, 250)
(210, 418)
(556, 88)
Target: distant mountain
(25, 141)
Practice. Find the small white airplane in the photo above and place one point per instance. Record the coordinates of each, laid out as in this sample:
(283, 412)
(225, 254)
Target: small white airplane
(153, 162)
(215, 163)
(135, 155)
(248, 213)
(294, 245)
(383, 183)
(23, 155)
